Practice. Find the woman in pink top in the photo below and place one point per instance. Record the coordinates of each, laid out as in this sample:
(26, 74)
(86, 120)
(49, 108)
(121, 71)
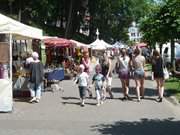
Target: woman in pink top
(86, 62)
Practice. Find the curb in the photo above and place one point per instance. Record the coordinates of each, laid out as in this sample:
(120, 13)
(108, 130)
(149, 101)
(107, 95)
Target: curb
(173, 100)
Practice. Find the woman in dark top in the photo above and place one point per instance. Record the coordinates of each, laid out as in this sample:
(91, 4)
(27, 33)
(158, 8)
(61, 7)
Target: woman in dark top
(36, 78)
(157, 73)
(107, 72)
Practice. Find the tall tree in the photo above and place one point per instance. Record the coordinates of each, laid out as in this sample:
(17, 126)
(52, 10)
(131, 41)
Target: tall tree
(164, 24)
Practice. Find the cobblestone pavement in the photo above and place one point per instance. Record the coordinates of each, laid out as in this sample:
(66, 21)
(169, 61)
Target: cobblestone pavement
(59, 113)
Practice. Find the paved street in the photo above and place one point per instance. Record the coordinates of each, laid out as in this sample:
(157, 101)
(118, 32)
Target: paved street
(59, 113)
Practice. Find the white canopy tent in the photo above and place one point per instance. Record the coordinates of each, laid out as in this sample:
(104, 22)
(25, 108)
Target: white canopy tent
(14, 30)
(119, 45)
(17, 29)
(100, 45)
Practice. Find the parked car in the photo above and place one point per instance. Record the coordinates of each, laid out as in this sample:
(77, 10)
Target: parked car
(166, 53)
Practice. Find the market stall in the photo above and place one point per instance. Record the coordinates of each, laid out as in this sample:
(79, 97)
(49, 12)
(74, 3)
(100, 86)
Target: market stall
(57, 50)
(11, 30)
(60, 53)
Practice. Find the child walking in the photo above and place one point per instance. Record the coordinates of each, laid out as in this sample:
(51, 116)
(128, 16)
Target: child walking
(82, 80)
(98, 80)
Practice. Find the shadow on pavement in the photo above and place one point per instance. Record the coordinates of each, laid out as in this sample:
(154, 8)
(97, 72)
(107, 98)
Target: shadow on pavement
(70, 101)
(132, 91)
(77, 103)
(26, 100)
(143, 127)
(68, 98)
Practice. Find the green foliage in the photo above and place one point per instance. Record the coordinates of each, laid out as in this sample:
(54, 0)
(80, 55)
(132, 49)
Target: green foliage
(163, 23)
(172, 86)
(112, 17)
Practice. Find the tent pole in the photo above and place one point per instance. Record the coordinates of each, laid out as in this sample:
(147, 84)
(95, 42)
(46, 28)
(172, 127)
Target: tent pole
(10, 53)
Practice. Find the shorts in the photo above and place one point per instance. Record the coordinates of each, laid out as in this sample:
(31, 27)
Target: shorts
(82, 92)
(98, 85)
(139, 74)
(107, 82)
(124, 74)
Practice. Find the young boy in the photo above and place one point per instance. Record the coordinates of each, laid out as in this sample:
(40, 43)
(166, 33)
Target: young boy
(98, 80)
(82, 80)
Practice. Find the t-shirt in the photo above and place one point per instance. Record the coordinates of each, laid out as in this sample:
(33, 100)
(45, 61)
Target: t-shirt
(98, 79)
(123, 62)
(138, 62)
(83, 79)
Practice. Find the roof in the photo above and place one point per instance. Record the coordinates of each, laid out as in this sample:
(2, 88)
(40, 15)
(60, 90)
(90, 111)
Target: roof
(18, 29)
(58, 42)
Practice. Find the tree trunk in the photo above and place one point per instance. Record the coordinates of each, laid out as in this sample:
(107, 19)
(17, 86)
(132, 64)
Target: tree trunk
(69, 22)
(160, 48)
(19, 11)
(172, 51)
(10, 7)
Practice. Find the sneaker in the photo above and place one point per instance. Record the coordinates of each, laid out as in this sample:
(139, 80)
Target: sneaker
(159, 99)
(103, 98)
(124, 98)
(101, 102)
(98, 104)
(82, 104)
(37, 100)
(32, 100)
(128, 97)
(138, 100)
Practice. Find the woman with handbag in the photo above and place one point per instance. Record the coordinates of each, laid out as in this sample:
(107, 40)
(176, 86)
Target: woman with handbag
(158, 74)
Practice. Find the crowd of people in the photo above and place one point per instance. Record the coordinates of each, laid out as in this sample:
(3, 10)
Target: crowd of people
(129, 65)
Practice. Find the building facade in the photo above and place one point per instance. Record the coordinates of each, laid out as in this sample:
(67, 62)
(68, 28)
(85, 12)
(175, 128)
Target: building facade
(134, 33)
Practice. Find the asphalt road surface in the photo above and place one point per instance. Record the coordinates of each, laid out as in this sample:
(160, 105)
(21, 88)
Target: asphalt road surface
(59, 113)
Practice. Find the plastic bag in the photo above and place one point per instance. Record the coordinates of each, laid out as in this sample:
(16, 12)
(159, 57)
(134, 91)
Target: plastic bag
(166, 73)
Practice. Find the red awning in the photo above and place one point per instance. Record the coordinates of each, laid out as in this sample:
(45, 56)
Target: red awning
(58, 42)
(141, 45)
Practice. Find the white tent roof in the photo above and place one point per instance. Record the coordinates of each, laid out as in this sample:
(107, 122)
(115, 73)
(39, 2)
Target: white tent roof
(99, 45)
(17, 29)
(119, 45)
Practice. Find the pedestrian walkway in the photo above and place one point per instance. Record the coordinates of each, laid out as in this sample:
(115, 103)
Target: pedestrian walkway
(59, 113)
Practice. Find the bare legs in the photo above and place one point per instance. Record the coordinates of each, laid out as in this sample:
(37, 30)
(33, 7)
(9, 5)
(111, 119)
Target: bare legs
(139, 88)
(107, 87)
(125, 88)
(160, 88)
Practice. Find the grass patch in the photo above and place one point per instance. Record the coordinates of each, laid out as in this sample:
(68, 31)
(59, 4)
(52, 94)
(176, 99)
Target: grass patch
(172, 87)
(148, 67)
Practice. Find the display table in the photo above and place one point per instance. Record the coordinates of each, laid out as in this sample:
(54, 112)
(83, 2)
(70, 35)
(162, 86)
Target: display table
(53, 78)
(56, 74)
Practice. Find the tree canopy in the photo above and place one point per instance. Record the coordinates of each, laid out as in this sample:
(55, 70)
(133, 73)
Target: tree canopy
(163, 24)
(64, 17)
